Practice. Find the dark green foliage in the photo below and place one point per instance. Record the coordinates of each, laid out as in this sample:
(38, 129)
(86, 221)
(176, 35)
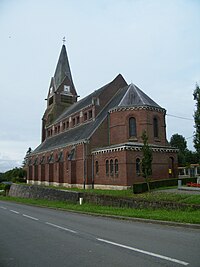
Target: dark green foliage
(142, 187)
(191, 157)
(179, 142)
(6, 187)
(1, 176)
(25, 158)
(15, 175)
(197, 120)
(146, 160)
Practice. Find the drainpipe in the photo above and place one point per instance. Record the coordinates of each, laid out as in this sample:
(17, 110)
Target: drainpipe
(108, 128)
(92, 171)
(85, 163)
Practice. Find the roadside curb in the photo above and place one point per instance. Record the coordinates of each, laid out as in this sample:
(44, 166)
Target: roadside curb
(115, 217)
(135, 219)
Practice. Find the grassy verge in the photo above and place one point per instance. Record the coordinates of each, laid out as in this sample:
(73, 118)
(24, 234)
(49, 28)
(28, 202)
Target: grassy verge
(186, 216)
(153, 196)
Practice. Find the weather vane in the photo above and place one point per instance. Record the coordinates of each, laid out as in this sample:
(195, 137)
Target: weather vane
(64, 40)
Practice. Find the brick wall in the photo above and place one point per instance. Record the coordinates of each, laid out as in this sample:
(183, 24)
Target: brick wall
(127, 174)
(119, 126)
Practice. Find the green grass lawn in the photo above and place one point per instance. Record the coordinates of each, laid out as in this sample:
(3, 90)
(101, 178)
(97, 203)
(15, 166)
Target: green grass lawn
(152, 196)
(186, 216)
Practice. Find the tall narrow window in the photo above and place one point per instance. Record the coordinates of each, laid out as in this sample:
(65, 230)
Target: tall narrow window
(90, 114)
(85, 116)
(155, 127)
(97, 167)
(107, 167)
(111, 167)
(132, 127)
(73, 121)
(137, 166)
(116, 166)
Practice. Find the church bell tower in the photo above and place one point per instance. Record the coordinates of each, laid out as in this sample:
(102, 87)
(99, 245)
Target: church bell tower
(61, 94)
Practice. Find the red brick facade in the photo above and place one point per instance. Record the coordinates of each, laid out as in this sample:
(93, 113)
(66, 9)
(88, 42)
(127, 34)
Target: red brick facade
(96, 142)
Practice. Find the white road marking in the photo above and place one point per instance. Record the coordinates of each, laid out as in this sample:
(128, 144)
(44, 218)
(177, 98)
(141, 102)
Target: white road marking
(14, 211)
(144, 252)
(30, 217)
(3, 208)
(60, 227)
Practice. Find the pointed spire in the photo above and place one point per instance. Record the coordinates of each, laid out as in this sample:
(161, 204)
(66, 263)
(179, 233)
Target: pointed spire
(62, 68)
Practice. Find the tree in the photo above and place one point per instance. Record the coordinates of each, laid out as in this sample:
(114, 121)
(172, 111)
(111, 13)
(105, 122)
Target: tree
(196, 95)
(146, 160)
(15, 175)
(179, 142)
(25, 158)
(191, 157)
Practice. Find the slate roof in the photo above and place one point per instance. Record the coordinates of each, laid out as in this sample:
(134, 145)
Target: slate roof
(82, 132)
(129, 95)
(84, 102)
(136, 97)
(62, 68)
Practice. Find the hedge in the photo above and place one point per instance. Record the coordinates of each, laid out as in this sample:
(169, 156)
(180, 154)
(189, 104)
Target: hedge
(142, 187)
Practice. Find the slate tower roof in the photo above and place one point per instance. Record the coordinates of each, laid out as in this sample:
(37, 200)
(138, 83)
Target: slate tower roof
(61, 94)
(62, 68)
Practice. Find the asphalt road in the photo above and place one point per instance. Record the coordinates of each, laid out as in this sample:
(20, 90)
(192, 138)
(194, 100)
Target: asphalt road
(33, 236)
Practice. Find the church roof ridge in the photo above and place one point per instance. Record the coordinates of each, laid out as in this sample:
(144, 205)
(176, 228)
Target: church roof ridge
(84, 131)
(84, 102)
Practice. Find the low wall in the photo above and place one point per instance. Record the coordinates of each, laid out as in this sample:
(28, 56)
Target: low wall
(134, 203)
(41, 192)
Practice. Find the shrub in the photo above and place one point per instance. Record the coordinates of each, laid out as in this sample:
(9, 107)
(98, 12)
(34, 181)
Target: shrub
(142, 187)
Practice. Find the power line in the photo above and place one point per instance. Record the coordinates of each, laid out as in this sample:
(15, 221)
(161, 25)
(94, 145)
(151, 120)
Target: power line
(189, 137)
(183, 118)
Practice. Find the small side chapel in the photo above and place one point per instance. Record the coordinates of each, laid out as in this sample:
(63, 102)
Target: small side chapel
(96, 142)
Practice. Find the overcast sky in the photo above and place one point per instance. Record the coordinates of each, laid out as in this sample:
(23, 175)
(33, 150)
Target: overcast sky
(154, 44)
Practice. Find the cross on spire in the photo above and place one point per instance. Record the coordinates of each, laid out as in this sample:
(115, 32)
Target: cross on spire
(64, 40)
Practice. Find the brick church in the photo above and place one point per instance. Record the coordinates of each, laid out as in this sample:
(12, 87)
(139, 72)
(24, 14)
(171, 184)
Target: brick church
(96, 142)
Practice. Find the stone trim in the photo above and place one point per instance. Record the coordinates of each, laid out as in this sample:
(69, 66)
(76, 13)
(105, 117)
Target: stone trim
(132, 148)
(87, 186)
(116, 109)
(111, 187)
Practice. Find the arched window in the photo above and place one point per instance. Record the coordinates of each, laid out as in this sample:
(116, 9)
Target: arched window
(97, 167)
(107, 167)
(60, 156)
(132, 127)
(137, 166)
(111, 167)
(171, 167)
(155, 127)
(116, 167)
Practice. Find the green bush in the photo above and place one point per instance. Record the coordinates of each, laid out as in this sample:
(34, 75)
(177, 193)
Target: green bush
(4, 188)
(142, 187)
(16, 175)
